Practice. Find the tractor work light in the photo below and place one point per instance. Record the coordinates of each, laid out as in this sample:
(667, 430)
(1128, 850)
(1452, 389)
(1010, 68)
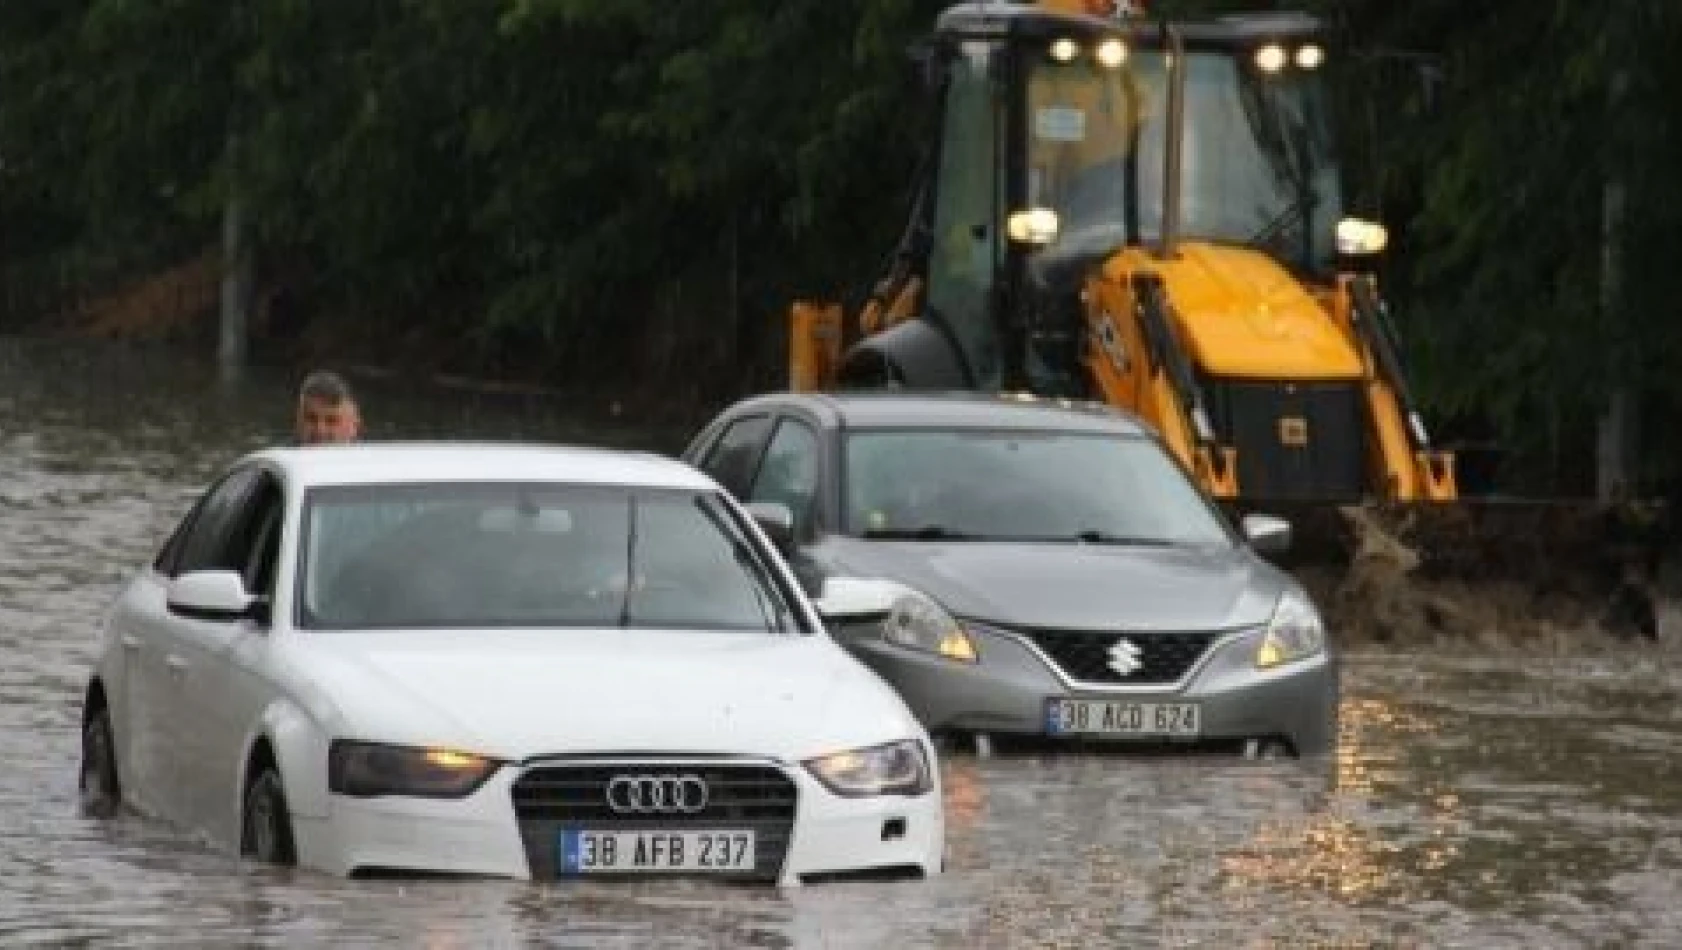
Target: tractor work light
(1064, 50)
(1356, 237)
(1033, 226)
(1270, 58)
(1111, 53)
(1310, 56)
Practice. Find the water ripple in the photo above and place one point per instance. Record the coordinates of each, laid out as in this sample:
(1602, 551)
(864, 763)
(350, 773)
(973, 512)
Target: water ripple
(1476, 801)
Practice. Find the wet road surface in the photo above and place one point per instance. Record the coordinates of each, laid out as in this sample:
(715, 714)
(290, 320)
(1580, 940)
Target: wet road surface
(1478, 800)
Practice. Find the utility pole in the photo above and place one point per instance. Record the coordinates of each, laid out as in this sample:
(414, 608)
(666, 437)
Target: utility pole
(1617, 432)
(235, 322)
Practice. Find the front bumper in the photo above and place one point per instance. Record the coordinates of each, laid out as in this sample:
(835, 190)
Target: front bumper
(488, 834)
(1006, 691)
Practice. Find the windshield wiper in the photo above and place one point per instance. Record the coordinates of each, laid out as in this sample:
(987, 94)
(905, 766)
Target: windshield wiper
(1105, 537)
(1298, 211)
(928, 532)
(630, 562)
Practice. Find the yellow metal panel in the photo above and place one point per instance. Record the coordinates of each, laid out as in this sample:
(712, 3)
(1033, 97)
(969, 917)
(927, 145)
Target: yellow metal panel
(1115, 353)
(1119, 365)
(1084, 7)
(1392, 456)
(814, 351)
(1242, 315)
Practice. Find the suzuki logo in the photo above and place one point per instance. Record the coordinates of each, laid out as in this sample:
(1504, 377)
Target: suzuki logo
(657, 794)
(1124, 657)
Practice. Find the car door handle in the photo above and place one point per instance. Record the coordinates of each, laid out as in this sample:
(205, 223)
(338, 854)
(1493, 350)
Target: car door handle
(130, 642)
(177, 665)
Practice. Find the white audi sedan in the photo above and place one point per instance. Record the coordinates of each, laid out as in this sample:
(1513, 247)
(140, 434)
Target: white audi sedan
(522, 661)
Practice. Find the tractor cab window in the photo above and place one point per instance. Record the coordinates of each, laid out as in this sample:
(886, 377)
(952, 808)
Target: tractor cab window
(1080, 117)
(965, 244)
(1258, 166)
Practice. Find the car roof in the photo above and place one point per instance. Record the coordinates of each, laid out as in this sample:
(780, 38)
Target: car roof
(969, 410)
(366, 463)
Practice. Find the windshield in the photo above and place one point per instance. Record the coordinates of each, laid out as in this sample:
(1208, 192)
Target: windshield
(1081, 118)
(1257, 168)
(1021, 485)
(531, 555)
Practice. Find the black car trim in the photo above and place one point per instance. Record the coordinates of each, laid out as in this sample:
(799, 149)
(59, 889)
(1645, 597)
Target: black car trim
(1221, 641)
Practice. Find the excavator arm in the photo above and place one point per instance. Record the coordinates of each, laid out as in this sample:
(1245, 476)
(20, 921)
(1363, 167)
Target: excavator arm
(1415, 471)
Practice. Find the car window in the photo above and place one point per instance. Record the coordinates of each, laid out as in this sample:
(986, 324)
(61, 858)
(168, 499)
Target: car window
(732, 459)
(257, 544)
(1022, 485)
(169, 556)
(533, 555)
(336, 535)
(789, 473)
(205, 544)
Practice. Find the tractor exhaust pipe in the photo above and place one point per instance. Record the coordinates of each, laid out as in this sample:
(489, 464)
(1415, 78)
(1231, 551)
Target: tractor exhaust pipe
(1172, 147)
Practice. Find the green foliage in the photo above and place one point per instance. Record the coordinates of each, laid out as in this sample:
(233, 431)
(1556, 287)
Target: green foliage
(636, 189)
(1506, 236)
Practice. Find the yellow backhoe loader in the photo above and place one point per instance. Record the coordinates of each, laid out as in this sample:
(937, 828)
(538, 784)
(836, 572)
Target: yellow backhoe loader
(1146, 213)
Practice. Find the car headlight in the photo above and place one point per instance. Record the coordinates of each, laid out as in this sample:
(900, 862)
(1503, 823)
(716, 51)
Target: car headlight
(368, 770)
(897, 768)
(918, 622)
(1294, 633)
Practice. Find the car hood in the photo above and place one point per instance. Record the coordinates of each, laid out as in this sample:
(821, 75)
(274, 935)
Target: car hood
(1074, 586)
(523, 693)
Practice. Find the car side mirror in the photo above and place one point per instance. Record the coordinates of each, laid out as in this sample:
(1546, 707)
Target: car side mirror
(857, 599)
(777, 521)
(1267, 534)
(212, 595)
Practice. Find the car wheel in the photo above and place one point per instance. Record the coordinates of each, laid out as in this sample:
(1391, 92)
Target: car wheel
(267, 829)
(101, 794)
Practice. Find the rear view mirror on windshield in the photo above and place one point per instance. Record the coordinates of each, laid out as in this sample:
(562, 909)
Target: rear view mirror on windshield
(546, 520)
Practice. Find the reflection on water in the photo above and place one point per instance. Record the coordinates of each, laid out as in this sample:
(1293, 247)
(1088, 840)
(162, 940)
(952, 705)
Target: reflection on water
(1475, 802)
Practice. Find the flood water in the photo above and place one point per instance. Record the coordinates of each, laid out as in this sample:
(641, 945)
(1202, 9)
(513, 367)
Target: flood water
(1479, 800)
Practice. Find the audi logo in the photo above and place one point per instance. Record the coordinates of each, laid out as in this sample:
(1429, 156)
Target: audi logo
(657, 794)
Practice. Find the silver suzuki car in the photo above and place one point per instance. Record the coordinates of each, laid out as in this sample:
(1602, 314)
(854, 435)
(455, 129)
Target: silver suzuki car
(1067, 580)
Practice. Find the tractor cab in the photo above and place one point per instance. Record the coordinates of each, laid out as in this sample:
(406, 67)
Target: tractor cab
(1064, 138)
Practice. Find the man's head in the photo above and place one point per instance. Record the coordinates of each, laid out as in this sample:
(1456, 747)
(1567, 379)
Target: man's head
(327, 410)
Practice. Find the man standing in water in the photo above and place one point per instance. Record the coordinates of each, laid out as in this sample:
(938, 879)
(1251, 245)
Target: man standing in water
(328, 415)
(327, 410)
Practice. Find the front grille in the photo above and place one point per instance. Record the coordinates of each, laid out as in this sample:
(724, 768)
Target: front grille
(1296, 441)
(757, 797)
(1084, 655)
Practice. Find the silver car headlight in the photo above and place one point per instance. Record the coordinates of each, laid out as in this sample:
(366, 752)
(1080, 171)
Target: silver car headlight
(1295, 632)
(369, 770)
(916, 621)
(897, 768)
